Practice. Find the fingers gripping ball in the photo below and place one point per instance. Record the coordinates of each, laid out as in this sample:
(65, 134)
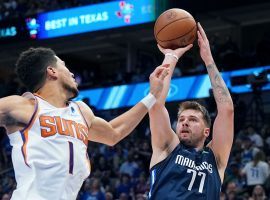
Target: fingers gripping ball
(175, 28)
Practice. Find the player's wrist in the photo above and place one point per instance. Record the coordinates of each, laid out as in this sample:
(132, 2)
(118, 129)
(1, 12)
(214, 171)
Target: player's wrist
(149, 100)
(172, 55)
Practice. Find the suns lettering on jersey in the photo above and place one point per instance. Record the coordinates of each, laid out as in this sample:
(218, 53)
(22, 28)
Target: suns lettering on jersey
(50, 125)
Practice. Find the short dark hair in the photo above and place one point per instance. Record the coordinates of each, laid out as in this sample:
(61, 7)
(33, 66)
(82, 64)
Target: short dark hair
(32, 64)
(193, 105)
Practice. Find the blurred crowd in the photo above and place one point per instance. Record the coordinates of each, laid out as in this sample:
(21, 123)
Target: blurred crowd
(122, 172)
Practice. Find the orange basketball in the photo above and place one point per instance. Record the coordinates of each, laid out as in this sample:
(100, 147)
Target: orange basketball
(175, 28)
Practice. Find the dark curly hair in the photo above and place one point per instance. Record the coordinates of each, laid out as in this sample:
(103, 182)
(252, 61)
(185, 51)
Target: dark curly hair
(32, 64)
(193, 105)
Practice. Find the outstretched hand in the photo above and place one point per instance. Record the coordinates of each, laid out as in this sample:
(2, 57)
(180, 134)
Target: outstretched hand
(204, 45)
(157, 79)
(178, 52)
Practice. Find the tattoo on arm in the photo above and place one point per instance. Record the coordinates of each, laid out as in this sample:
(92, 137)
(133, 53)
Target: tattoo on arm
(220, 90)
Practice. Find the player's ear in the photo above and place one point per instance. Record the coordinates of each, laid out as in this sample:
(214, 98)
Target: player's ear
(51, 72)
(207, 132)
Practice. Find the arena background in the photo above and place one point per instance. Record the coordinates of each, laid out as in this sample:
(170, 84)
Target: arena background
(120, 58)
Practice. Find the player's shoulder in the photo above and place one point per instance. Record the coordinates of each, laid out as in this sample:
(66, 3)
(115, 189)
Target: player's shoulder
(15, 100)
(85, 109)
(82, 105)
(86, 112)
(15, 103)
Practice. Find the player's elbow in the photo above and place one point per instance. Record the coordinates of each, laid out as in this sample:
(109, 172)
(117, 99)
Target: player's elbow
(228, 108)
(111, 144)
(113, 141)
(115, 138)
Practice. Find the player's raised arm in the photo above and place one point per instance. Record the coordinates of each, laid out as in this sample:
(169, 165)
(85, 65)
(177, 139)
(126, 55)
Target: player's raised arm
(162, 135)
(223, 125)
(112, 132)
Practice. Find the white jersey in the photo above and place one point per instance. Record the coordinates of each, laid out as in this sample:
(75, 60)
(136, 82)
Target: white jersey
(256, 175)
(50, 154)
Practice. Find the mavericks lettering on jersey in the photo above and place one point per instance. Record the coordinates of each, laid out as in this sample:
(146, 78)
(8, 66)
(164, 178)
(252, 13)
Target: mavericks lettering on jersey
(184, 161)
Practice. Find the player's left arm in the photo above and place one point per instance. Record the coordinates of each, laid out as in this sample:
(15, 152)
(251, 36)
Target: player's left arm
(223, 128)
(111, 132)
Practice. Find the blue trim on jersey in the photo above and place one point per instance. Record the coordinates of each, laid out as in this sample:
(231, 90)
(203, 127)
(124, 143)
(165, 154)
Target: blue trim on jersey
(153, 178)
(26, 127)
(33, 116)
(24, 156)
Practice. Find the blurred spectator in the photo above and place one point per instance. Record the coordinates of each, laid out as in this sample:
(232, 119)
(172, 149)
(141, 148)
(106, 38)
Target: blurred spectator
(143, 154)
(118, 157)
(248, 150)
(124, 188)
(140, 197)
(232, 191)
(254, 136)
(94, 191)
(108, 196)
(6, 196)
(141, 186)
(129, 166)
(222, 196)
(233, 175)
(256, 171)
(265, 131)
(103, 164)
(123, 196)
(258, 193)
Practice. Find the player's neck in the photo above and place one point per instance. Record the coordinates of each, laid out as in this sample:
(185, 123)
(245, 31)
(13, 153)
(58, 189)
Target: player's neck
(54, 95)
(199, 147)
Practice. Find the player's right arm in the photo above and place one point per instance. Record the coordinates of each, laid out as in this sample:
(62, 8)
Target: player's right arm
(6, 108)
(15, 112)
(163, 137)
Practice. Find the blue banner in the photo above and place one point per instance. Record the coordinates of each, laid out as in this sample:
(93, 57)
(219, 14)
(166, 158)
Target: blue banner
(192, 87)
(94, 17)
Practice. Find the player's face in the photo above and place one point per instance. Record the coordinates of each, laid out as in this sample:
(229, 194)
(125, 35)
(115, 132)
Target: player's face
(67, 78)
(191, 128)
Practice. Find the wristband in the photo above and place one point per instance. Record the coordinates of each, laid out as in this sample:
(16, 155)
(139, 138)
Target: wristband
(173, 55)
(149, 101)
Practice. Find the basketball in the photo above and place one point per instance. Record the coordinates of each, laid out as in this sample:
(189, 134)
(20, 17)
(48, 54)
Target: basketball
(175, 28)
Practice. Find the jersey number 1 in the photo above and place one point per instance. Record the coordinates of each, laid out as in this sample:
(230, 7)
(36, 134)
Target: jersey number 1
(194, 174)
(71, 157)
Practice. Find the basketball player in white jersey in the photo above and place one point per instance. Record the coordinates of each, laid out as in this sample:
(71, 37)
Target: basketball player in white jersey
(49, 133)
